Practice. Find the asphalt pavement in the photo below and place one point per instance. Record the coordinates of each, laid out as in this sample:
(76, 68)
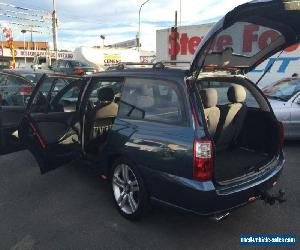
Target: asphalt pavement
(72, 208)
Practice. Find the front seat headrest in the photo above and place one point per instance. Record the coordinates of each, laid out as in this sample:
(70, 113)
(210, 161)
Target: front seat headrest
(106, 95)
(236, 93)
(209, 97)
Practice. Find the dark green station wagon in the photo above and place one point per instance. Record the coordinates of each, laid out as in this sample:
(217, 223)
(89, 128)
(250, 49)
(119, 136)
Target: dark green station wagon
(204, 140)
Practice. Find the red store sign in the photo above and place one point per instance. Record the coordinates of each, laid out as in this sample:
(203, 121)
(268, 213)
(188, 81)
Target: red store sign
(182, 44)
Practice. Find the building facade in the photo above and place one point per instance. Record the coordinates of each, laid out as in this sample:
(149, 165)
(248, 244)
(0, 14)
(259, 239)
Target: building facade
(28, 45)
(29, 52)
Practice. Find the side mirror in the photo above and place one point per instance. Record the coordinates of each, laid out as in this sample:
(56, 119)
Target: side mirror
(298, 101)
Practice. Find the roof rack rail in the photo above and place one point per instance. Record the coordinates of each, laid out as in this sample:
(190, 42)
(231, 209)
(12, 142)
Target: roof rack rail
(122, 65)
(135, 63)
(157, 65)
(162, 64)
(174, 62)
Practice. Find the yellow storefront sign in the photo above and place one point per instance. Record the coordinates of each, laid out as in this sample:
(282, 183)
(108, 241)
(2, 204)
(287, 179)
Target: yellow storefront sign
(112, 59)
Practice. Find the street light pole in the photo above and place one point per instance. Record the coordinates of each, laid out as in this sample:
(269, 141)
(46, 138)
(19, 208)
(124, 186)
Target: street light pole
(138, 37)
(180, 12)
(103, 38)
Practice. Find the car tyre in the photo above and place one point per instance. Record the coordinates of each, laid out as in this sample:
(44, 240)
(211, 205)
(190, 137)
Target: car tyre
(128, 190)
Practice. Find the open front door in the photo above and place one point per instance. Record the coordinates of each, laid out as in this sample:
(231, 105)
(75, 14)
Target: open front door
(14, 93)
(51, 127)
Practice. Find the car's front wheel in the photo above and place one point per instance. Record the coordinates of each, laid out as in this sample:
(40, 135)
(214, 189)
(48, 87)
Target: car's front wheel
(128, 190)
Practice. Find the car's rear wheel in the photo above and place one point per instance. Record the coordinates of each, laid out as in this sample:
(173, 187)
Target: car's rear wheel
(128, 190)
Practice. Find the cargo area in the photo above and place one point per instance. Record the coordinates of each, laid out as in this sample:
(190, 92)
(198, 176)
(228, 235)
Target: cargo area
(230, 163)
(254, 148)
(244, 131)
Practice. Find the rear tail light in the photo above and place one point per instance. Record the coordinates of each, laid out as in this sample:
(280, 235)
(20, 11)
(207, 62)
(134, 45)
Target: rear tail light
(203, 160)
(281, 135)
(79, 71)
(25, 90)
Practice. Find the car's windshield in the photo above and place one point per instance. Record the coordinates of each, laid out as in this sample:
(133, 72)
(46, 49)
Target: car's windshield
(283, 90)
(79, 64)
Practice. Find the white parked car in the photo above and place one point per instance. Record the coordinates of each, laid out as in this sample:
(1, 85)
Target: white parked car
(284, 97)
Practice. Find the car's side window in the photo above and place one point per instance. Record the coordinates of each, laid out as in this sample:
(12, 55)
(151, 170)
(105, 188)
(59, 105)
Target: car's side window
(55, 64)
(152, 100)
(47, 92)
(14, 91)
(99, 87)
(62, 64)
(222, 89)
(67, 99)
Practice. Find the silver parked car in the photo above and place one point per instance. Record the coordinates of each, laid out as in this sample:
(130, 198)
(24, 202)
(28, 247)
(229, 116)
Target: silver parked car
(284, 97)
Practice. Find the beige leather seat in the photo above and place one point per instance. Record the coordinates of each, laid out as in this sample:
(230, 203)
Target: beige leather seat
(103, 114)
(233, 116)
(212, 112)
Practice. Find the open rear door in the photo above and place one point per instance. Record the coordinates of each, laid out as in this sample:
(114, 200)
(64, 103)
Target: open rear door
(248, 35)
(51, 126)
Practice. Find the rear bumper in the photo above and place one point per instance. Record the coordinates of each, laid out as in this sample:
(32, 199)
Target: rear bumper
(204, 198)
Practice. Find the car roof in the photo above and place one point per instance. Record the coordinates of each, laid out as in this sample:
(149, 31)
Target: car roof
(162, 73)
(15, 75)
(69, 60)
(26, 71)
(173, 74)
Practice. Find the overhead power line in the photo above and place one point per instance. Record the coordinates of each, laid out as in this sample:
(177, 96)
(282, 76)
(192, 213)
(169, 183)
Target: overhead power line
(44, 17)
(22, 18)
(37, 29)
(22, 24)
(27, 19)
(23, 8)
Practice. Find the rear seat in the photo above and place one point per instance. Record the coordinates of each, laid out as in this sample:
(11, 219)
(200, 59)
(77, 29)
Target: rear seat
(212, 112)
(232, 117)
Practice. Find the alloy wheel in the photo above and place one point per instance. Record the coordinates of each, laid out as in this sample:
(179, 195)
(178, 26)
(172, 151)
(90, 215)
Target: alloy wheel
(126, 189)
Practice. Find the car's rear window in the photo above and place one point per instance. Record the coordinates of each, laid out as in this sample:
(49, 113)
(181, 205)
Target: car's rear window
(12, 80)
(79, 64)
(32, 76)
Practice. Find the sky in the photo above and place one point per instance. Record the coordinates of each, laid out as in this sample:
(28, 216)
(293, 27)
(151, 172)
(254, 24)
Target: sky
(81, 22)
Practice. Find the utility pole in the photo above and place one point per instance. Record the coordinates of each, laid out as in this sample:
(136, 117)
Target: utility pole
(24, 49)
(54, 26)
